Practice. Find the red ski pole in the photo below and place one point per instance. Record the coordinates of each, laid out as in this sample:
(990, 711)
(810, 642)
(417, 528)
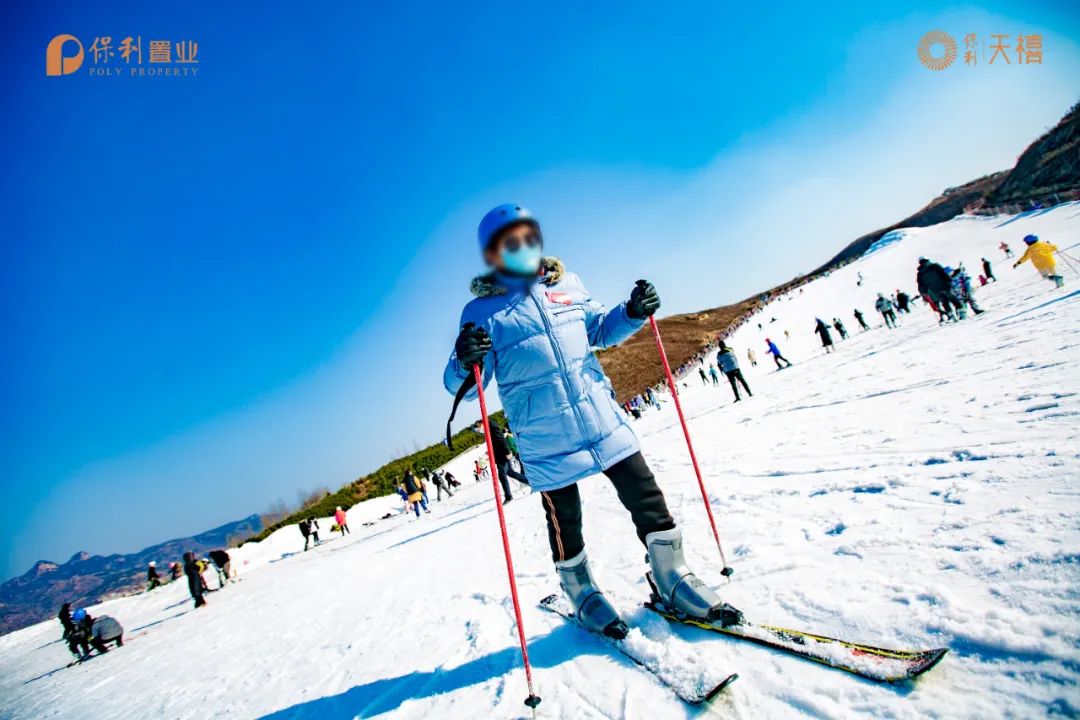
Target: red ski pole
(533, 700)
(727, 571)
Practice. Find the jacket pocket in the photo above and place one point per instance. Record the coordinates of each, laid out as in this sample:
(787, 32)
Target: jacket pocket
(540, 425)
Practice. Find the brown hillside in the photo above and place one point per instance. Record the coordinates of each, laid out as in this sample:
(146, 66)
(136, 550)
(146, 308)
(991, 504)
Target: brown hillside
(635, 364)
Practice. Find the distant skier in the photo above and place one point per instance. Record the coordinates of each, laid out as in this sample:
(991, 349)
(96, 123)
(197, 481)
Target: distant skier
(414, 496)
(727, 361)
(194, 578)
(64, 616)
(885, 307)
(859, 317)
(651, 397)
(713, 375)
(104, 630)
(903, 302)
(1041, 255)
(153, 580)
(440, 487)
(450, 479)
(961, 286)
(305, 530)
(839, 328)
(342, 521)
(936, 284)
(823, 332)
(1005, 248)
(704, 377)
(502, 459)
(775, 352)
(988, 271)
(536, 325)
(79, 637)
(175, 570)
(223, 565)
(751, 357)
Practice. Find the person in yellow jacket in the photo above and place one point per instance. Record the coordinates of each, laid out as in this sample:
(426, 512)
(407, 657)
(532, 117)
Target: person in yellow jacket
(1041, 255)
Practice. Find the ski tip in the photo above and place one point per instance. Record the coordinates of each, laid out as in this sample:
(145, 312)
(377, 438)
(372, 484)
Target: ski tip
(720, 688)
(548, 600)
(930, 658)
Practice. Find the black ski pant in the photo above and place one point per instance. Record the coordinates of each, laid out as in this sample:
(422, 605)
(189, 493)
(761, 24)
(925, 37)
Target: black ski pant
(778, 358)
(890, 318)
(638, 492)
(504, 471)
(737, 376)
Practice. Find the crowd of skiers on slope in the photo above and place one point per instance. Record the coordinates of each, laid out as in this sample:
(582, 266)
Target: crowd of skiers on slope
(84, 633)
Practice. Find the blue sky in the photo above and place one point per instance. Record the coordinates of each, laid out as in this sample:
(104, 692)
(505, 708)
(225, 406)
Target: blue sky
(219, 290)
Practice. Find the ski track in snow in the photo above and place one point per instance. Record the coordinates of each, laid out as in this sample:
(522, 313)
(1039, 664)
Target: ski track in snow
(917, 488)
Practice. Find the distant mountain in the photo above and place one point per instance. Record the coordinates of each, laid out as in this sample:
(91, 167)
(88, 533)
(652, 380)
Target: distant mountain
(1047, 172)
(87, 579)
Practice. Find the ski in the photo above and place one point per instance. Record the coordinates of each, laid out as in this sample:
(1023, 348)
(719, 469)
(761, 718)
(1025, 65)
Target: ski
(867, 661)
(638, 649)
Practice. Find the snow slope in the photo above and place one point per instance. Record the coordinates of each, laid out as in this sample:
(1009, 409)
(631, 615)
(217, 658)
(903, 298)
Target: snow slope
(916, 488)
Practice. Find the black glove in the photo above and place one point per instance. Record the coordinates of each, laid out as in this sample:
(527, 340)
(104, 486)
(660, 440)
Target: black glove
(472, 345)
(644, 300)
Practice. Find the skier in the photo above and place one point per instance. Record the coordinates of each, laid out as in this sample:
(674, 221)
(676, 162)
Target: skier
(194, 578)
(79, 637)
(988, 271)
(223, 565)
(1041, 255)
(751, 357)
(859, 317)
(936, 284)
(839, 328)
(502, 459)
(713, 375)
(1005, 248)
(342, 521)
(704, 377)
(727, 361)
(823, 332)
(903, 302)
(105, 630)
(961, 287)
(450, 479)
(650, 396)
(64, 616)
(152, 577)
(440, 487)
(414, 496)
(885, 307)
(775, 352)
(175, 570)
(533, 327)
(305, 530)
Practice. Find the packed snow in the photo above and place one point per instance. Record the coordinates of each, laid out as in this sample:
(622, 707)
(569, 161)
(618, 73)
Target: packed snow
(916, 488)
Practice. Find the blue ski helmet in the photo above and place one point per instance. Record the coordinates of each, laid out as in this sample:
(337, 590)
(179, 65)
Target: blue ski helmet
(79, 615)
(500, 217)
(1031, 239)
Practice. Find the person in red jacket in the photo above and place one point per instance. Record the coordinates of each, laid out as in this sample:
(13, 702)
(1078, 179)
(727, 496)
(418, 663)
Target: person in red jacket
(339, 518)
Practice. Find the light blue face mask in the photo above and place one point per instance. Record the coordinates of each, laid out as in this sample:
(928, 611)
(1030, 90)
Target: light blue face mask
(523, 261)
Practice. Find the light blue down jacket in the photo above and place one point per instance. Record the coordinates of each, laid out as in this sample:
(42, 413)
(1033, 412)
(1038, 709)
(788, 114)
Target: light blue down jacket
(557, 399)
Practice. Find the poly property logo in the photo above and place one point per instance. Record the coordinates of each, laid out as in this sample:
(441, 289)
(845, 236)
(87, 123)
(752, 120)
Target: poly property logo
(66, 55)
(938, 50)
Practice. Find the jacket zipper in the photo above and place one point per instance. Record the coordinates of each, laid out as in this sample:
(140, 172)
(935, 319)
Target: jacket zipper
(563, 374)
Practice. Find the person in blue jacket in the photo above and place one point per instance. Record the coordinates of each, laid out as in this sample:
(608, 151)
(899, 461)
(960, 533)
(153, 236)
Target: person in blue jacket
(533, 327)
(775, 352)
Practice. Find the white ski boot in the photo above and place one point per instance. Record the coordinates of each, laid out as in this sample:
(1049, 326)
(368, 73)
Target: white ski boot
(678, 589)
(591, 607)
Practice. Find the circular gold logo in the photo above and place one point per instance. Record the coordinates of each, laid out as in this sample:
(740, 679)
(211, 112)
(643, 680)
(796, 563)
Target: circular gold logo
(927, 46)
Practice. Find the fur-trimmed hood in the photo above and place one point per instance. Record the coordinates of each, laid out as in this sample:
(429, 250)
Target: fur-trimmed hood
(487, 285)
